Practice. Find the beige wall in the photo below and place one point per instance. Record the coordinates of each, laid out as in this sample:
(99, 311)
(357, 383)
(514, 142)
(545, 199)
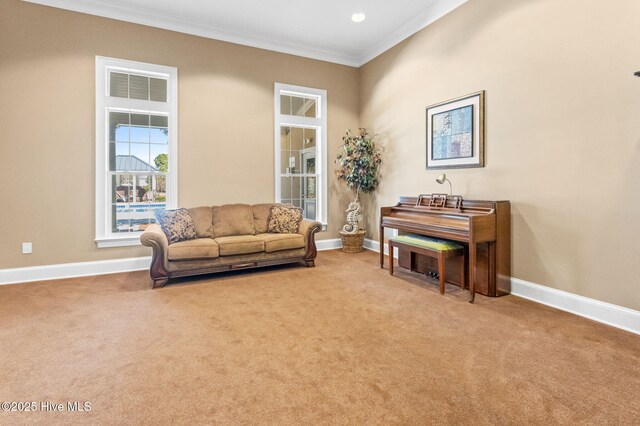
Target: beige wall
(562, 127)
(47, 104)
(562, 130)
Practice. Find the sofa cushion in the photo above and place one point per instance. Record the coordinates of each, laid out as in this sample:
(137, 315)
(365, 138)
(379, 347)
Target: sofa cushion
(239, 244)
(176, 224)
(284, 219)
(203, 221)
(233, 219)
(200, 248)
(277, 242)
(261, 214)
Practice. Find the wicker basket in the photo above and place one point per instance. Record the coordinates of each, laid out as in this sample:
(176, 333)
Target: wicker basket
(352, 243)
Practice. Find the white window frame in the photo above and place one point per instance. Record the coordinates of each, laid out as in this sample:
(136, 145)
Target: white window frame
(320, 124)
(105, 103)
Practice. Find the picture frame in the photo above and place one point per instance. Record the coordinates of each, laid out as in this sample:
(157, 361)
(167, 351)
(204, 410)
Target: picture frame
(455, 133)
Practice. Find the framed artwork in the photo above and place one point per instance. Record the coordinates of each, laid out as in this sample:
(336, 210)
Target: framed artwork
(455, 133)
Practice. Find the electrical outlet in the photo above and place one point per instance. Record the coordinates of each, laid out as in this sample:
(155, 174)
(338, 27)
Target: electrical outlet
(27, 248)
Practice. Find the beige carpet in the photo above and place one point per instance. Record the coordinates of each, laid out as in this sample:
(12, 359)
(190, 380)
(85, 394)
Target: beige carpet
(342, 343)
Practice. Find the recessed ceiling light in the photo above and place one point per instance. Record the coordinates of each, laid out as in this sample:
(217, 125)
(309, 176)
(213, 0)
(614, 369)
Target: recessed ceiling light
(358, 17)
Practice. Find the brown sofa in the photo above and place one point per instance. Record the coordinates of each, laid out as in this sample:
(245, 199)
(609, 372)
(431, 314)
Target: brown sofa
(229, 237)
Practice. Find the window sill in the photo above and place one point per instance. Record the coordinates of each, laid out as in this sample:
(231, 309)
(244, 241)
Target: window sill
(133, 240)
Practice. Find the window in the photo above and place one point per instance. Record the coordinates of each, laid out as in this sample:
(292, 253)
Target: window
(301, 149)
(136, 147)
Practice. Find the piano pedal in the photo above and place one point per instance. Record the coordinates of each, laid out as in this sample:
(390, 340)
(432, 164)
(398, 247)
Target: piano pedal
(433, 275)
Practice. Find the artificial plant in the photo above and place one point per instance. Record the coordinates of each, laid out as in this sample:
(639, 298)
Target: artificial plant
(359, 161)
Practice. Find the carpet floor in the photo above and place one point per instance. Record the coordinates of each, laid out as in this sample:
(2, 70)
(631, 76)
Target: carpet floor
(341, 343)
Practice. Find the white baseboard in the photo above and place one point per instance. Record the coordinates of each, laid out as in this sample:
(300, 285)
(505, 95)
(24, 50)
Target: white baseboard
(606, 313)
(332, 244)
(337, 243)
(71, 270)
(100, 267)
(375, 246)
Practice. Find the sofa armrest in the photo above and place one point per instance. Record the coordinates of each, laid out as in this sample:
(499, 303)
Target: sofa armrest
(308, 228)
(155, 238)
(154, 235)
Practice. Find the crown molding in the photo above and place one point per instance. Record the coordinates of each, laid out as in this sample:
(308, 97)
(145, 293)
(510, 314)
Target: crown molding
(427, 17)
(159, 20)
(167, 22)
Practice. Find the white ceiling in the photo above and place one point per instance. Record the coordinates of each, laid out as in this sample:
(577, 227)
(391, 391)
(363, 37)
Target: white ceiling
(320, 29)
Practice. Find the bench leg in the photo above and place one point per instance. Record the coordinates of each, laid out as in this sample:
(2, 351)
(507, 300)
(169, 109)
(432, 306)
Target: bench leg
(472, 272)
(463, 270)
(441, 271)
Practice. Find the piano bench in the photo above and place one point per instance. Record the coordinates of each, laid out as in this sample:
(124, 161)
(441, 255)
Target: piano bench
(432, 247)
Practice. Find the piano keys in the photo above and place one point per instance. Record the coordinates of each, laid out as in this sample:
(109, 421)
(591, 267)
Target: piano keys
(483, 226)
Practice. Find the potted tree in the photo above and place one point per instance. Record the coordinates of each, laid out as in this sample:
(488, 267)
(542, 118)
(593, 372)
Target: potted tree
(358, 165)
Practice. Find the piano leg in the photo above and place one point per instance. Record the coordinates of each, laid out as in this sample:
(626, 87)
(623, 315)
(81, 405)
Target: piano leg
(441, 272)
(463, 269)
(472, 271)
(493, 288)
(381, 236)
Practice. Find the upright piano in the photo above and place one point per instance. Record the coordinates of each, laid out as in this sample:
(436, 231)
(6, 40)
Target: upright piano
(483, 226)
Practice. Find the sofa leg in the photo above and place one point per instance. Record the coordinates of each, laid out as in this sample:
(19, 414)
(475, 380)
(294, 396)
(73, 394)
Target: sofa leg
(159, 282)
(310, 263)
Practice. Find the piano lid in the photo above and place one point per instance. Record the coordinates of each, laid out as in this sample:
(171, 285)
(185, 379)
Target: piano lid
(456, 219)
(445, 204)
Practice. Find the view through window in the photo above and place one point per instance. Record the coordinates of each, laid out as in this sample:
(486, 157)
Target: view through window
(135, 145)
(301, 149)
